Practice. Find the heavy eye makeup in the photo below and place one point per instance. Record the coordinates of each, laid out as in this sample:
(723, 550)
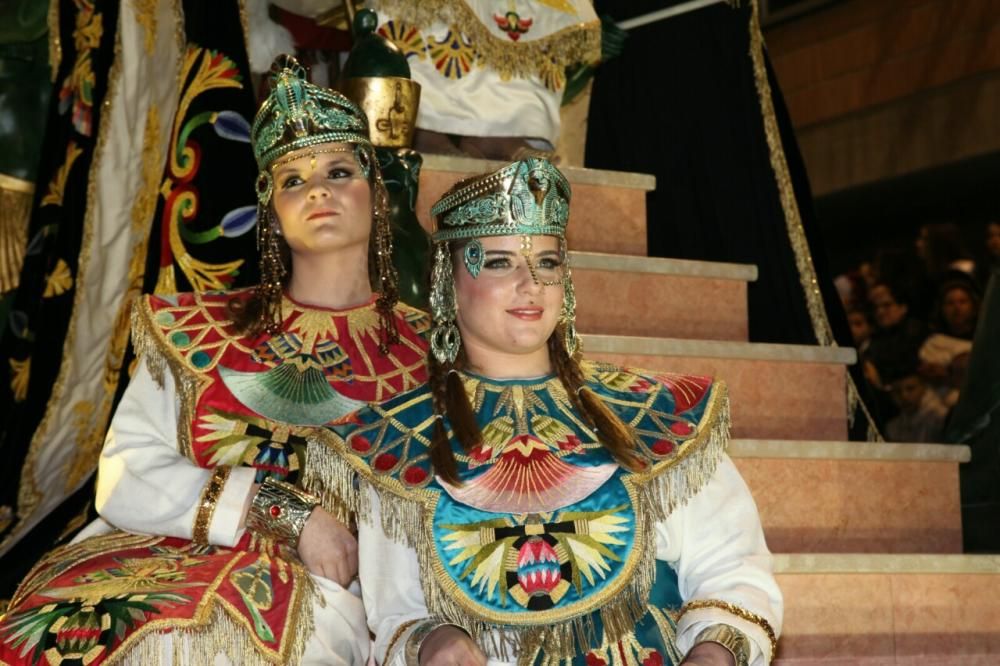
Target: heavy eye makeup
(335, 170)
(497, 260)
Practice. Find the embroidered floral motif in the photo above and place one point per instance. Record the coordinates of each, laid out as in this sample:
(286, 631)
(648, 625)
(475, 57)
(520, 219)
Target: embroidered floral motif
(406, 36)
(453, 56)
(78, 87)
(58, 281)
(54, 195)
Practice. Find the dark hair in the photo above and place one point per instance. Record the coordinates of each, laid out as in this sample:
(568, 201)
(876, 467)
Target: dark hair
(246, 313)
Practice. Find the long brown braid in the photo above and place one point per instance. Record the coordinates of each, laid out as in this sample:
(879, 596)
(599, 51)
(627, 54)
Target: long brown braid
(450, 400)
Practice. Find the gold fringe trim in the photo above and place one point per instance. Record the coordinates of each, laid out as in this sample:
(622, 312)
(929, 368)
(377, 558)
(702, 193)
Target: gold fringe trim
(793, 218)
(739, 612)
(151, 346)
(221, 633)
(571, 45)
(337, 475)
(16, 196)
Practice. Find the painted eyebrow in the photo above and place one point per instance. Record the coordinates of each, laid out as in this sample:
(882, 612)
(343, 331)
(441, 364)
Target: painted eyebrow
(335, 159)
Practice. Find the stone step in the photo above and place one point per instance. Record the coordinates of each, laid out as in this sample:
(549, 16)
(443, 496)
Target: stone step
(854, 497)
(646, 296)
(877, 610)
(777, 391)
(607, 212)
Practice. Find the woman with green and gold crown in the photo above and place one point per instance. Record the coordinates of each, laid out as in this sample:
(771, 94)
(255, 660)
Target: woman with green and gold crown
(526, 506)
(208, 550)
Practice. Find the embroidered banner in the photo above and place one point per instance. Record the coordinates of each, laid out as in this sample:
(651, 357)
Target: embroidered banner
(150, 187)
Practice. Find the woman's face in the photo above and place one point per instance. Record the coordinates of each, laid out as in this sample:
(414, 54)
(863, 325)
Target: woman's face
(322, 200)
(993, 239)
(958, 311)
(513, 305)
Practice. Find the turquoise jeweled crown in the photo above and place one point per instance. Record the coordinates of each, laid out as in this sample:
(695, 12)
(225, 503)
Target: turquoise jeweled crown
(298, 114)
(528, 197)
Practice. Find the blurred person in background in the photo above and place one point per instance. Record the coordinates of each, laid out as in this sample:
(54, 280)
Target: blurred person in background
(921, 413)
(944, 354)
(941, 248)
(895, 330)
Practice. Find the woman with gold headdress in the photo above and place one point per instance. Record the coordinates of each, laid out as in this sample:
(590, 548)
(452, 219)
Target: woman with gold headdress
(207, 547)
(526, 506)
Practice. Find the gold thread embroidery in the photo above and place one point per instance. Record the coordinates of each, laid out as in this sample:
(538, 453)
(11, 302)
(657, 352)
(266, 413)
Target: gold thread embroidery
(54, 195)
(739, 612)
(29, 495)
(407, 516)
(215, 626)
(572, 44)
(202, 275)
(20, 374)
(58, 281)
(145, 16)
(209, 499)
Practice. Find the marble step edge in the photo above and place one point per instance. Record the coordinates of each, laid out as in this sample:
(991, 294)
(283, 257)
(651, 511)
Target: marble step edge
(832, 450)
(601, 261)
(885, 563)
(752, 351)
(575, 175)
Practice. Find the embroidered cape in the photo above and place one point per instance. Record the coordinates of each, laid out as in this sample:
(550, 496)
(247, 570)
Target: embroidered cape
(547, 536)
(243, 401)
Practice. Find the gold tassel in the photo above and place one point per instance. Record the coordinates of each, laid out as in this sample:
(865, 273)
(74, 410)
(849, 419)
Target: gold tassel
(16, 196)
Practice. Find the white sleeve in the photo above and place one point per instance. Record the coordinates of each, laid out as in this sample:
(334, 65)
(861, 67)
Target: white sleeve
(390, 586)
(716, 545)
(145, 484)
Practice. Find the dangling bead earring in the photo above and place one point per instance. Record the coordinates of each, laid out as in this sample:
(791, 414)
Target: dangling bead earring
(272, 270)
(568, 315)
(445, 337)
(386, 277)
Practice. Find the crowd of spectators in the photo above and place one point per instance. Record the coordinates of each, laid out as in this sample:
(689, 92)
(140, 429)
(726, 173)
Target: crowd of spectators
(913, 314)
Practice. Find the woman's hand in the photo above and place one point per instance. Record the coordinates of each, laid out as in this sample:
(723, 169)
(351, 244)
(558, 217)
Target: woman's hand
(328, 549)
(450, 646)
(709, 654)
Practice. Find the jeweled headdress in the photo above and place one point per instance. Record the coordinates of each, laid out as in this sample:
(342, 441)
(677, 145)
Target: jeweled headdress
(527, 198)
(296, 116)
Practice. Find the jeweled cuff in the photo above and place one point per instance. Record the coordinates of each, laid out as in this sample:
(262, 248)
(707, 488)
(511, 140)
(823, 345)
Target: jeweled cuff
(415, 641)
(279, 510)
(728, 637)
(206, 505)
(739, 612)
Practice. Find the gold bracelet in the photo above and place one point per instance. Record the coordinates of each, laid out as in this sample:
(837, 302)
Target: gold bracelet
(739, 612)
(415, 640)
(206, 506)
(400, 630)
(728, 637)
(279, 510)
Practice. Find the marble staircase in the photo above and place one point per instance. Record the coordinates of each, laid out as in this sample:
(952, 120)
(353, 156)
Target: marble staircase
(867, 536)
